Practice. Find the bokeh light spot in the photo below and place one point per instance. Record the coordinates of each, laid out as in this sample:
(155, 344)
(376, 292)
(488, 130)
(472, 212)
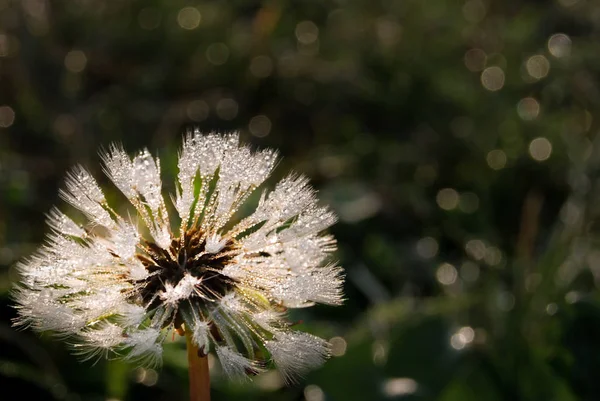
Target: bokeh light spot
(399, 386)
(338, 346)
(475, 60)
(496, 159)
(270, 381)
(468, 333)
(551, 309)
(227, 109)
(559, 45)
(493, 256)
(427, 247)
(537, 66)
(447, 198)
(505, 301)
(7, 116)
(197, 110)
(307, 32)
(313, 392)
(217, 53)
(572, 297)
(528, 108)
(147, 377)
(189, 18)
(540, 149)
(570, 214)
(492, 78)
(456, 342)
(75, 61)
(446, 274)
(475, 248)
(388, 31)
(463, 337)
(260, 126)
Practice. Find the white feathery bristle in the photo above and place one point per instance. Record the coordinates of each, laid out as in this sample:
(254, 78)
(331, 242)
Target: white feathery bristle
(105, 300)
(291, 196)
(200, 335)
(162, 314)
(296, 352)
(215, 243)
(307, 252)
(41, 310)
(186, 287)
(212, 149)
(137, 271)
(322, 285)
(197, 325)
(146, 179)
(139, 180)
(84, 194)
(204, 154)
(131, 315)
(144, 345)
(106, 335)
(124, 239)
(234, 364)
(229, 318)
(118, 167)
(231, 301)
(188, 169)
(161, 235)
(311, 221)
(63, 224)
(241, 171)
(267, 319)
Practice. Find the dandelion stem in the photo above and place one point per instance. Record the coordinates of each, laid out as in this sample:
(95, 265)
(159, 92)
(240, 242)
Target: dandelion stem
(198, 372)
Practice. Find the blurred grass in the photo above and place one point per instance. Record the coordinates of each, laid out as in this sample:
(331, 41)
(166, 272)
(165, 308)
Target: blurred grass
(456, 140)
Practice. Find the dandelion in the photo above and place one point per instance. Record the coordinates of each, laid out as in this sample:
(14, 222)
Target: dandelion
(118, 285)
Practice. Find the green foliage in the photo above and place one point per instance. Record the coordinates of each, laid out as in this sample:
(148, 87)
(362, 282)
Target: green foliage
(456, 140)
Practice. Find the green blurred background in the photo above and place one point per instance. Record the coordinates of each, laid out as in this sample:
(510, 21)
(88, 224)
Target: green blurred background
(456, 140)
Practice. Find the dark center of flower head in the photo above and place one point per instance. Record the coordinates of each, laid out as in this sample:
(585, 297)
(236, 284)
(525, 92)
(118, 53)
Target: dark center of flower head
(167, 267)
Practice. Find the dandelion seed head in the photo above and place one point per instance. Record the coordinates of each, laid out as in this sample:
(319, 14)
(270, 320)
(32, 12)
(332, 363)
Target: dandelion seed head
(118, 284)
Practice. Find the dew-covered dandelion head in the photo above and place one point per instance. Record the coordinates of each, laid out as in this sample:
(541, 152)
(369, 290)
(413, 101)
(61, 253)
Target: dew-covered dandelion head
(119, 284)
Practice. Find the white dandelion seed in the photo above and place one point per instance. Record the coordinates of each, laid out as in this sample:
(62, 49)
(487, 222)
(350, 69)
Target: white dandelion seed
(116, 285)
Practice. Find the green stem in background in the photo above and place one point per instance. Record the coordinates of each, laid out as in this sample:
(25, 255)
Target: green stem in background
(198, 371)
